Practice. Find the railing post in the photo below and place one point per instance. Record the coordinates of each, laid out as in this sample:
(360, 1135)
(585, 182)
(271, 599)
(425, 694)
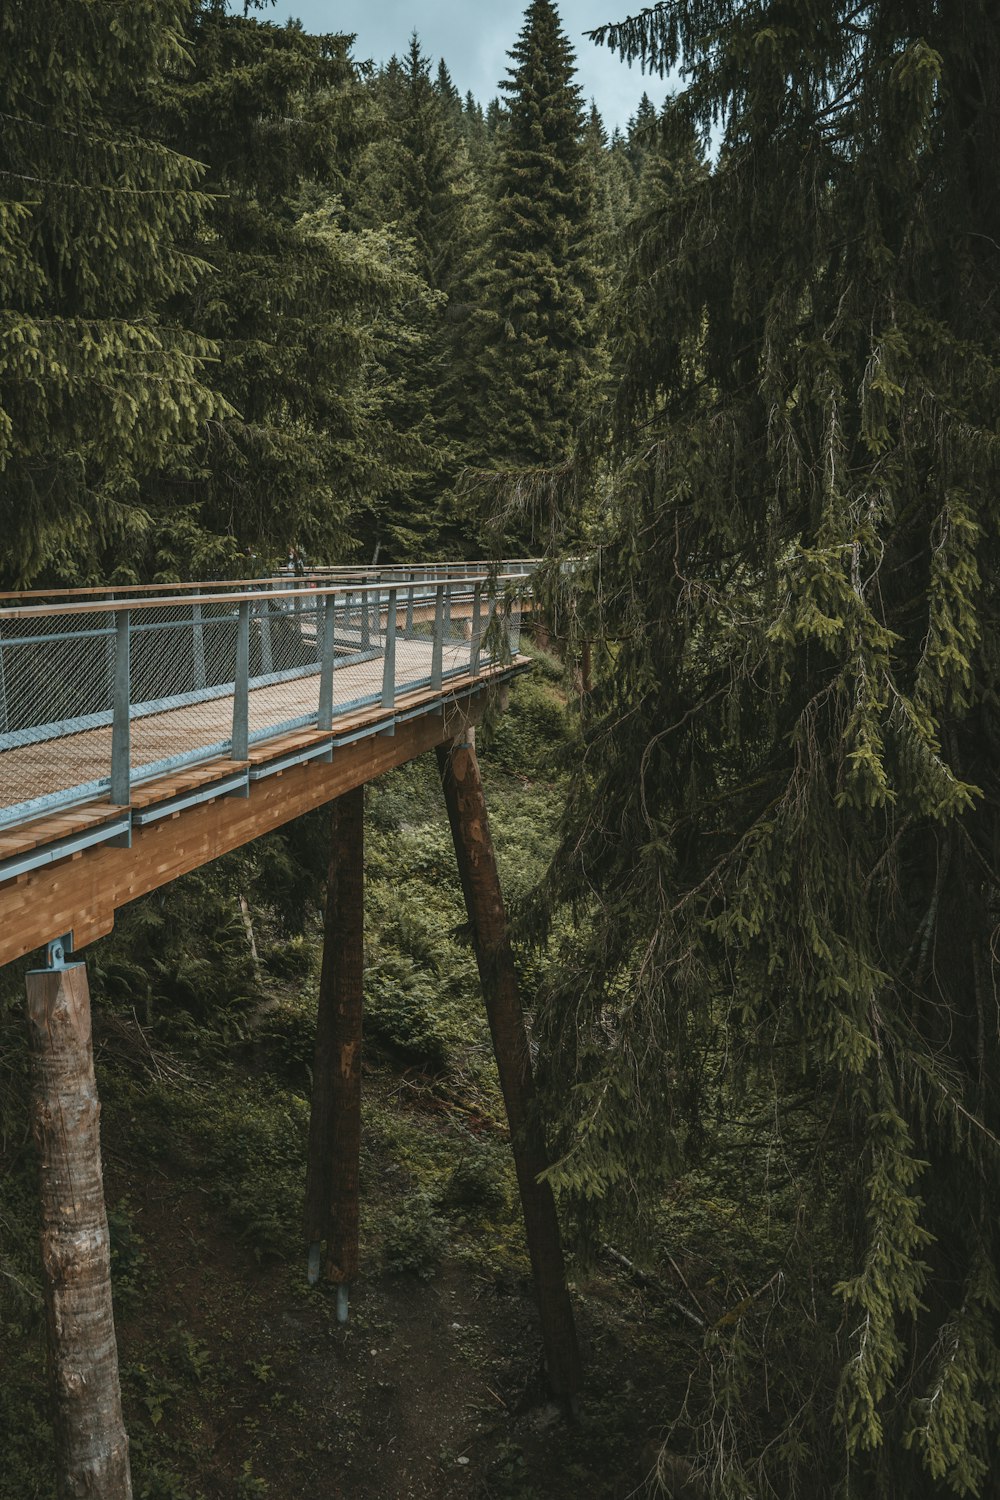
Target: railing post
(325, 719)
(389, 665)
(437, 650)
(366, 637)
(121, 747)
(241, 687)
(446, 629)
(198, 646)
(477, 634)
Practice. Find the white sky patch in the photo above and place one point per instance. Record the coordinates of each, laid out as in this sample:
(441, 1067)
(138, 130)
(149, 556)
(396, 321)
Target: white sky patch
(474, 37)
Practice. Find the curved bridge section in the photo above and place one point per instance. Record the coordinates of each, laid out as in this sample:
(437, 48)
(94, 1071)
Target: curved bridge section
(145, 732)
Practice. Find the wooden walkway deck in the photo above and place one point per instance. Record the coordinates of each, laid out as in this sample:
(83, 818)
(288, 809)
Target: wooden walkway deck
(71, 852)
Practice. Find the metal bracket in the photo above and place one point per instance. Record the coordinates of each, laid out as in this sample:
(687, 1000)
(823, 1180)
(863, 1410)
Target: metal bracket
(55, 953)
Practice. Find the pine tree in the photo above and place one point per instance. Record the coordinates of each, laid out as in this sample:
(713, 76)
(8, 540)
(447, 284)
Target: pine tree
(299, 306)
(641, 128)
(448, 94)
(539, 280)
(99, 382)
(419, 179)
(613, 193)
(782, 847)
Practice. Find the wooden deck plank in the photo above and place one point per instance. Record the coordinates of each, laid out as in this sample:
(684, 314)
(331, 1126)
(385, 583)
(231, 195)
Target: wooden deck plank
(75, 760)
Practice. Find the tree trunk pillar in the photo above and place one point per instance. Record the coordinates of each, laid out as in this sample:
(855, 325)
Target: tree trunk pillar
(335, 1122)
(466, 803)
(91, 1443)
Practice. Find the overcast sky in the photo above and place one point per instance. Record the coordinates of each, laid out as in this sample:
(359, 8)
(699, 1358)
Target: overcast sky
(474, 37)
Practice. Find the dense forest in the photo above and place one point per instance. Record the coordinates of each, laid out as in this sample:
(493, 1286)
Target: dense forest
(733, 372)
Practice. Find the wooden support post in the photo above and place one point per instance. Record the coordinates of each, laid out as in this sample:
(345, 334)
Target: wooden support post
(470, 827)
(91, 1444)
(335, 1123)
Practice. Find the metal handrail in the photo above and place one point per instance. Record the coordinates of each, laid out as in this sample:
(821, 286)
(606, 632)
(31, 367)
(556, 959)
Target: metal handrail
(244, 595)
(473, 570)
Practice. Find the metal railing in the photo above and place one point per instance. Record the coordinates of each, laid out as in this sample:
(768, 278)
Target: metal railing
(100, 692)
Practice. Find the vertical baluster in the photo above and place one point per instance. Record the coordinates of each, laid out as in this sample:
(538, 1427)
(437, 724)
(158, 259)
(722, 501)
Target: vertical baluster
(446, 630)
(241, 687)
(366, 638)
(3, 692)
(475, 643)
(409, 605)
(490, 613)
(121, 748)
(437, 651)
(264, 617)
(325, 720)
(198, 647)
(389, 665)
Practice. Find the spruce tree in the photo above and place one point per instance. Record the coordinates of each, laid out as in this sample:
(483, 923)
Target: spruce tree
(100, 381)
(539, 283)
(418, 178)
(782, 846)
(640, 135)
(299, 305)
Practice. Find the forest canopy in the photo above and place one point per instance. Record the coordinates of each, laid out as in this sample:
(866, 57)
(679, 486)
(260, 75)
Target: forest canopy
(735, 369)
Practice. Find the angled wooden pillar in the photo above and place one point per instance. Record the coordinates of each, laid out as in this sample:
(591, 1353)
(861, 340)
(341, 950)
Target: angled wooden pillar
(335, 1122)
(91, 1445)
(463, 790)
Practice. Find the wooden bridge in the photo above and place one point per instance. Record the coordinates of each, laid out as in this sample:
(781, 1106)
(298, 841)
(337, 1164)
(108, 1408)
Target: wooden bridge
(143, 733)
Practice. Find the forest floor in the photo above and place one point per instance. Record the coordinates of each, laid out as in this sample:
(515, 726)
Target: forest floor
(237, 1380)
(240, 1382)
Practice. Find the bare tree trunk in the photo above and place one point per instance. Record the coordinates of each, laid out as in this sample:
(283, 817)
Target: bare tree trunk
(91, 1443)
(463, 790)
(335, 1123)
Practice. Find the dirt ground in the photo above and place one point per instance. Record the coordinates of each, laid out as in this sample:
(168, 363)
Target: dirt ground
(241, 1383)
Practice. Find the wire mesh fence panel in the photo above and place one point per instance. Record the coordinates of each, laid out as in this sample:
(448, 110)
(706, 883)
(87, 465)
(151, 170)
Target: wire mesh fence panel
(514, 617)
(182, 673)
(361, 635)
(457, 630)
(285, 648)
(56, 692)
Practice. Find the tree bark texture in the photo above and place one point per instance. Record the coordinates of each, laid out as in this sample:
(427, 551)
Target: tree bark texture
(91, 1444)
(335, 1122)
(466, 803)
